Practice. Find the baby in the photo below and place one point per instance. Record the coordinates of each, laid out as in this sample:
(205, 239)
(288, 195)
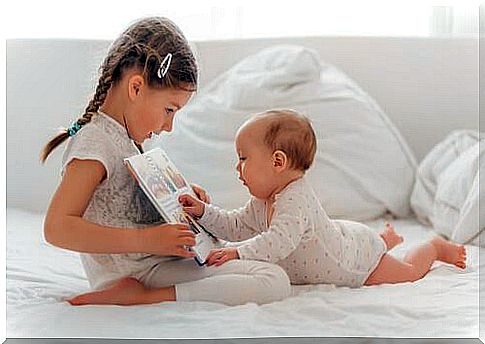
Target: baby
(284, 222)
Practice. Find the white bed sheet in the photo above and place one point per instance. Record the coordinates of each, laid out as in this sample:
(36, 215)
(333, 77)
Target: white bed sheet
(39, 276)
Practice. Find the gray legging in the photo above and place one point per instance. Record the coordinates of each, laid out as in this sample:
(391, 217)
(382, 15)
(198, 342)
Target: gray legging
(233, 283)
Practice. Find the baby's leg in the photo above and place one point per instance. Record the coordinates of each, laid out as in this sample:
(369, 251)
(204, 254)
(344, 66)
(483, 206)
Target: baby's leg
(391, 238)
(125, 292)
(417, 262)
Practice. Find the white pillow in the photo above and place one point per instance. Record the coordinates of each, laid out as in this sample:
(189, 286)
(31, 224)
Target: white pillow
(430, 168)
(446, 190)
(467, 229)
(363, 166)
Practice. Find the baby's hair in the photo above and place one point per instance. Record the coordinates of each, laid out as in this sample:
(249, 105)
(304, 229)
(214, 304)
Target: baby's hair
(291, 132)
(143, 45)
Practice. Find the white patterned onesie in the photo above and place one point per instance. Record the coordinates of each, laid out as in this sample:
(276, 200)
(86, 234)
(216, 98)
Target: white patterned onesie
(118, 202)
(301, 238)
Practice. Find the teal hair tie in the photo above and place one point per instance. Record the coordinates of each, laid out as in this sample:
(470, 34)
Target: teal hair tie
(73, 129)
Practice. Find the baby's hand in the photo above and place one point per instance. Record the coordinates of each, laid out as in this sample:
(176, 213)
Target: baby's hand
(192, 205)
(201, 193)
(221, 255)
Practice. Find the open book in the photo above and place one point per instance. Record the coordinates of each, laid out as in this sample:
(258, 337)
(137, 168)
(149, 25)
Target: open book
(163, 183)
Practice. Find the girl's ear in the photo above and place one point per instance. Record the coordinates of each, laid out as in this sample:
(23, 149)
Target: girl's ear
(135, 84)
(280, 160)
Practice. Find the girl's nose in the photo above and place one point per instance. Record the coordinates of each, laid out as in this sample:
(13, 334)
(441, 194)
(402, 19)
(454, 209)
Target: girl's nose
(168, 125)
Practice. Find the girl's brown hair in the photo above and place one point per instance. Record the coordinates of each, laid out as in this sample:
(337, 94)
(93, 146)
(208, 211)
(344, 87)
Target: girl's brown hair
(143, 45)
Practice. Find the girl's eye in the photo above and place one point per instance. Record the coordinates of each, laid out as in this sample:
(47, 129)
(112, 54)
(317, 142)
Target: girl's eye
(242, 158)
(169, 111)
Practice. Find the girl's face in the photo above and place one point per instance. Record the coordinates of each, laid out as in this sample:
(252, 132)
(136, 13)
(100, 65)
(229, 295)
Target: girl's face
(255, 165)
(152, 111)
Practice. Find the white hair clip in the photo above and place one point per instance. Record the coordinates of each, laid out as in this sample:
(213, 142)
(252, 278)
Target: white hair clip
(164, 65)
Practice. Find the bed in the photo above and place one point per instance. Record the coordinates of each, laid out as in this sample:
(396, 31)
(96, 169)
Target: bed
(443, 304)
(37, 284)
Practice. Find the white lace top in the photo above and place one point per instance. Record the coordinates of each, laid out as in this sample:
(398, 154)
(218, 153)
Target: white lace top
(301, 238)
(117, 201)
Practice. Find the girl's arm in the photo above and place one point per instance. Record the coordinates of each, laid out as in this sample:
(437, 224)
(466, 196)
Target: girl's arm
(64, 226)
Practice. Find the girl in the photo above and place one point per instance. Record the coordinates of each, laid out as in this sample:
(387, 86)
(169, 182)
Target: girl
(284, 222)
(129, 256)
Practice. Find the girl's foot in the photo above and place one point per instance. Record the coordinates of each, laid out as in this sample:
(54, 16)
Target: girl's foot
(127, 291)
(390, 237)
(450, 253)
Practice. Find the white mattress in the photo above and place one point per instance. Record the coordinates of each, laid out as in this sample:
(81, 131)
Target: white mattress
(39, 276)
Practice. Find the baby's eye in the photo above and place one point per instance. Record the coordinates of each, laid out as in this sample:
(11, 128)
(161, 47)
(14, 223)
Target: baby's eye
(241, 158)
(169, 111)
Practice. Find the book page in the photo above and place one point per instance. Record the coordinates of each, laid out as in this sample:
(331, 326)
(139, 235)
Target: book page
(160, 179)
(163, 183)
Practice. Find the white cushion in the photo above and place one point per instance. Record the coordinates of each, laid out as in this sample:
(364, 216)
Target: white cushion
(362, 168)
(446, 190)
(467, 229)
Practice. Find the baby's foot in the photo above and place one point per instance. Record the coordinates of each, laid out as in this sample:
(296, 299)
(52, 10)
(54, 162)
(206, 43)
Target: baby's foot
(390, 237)
(127, 291)
(450, 253)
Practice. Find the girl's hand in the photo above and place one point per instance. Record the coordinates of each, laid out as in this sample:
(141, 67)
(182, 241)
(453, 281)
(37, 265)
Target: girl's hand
(192, 205)
(201, 193)
(168, 240)
(220, 256)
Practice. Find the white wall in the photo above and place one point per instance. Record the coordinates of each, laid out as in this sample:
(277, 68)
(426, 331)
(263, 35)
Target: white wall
(236, 19)
(427, 86)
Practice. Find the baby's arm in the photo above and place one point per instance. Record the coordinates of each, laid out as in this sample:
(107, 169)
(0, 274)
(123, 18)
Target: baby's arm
(288, 225)
(64, 226)
(281, 239)
(235, 225)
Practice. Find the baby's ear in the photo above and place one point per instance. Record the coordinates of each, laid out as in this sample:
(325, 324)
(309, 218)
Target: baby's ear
(280, 160)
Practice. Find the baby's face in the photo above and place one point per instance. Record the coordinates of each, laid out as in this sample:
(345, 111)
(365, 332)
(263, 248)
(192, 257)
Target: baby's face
(255, 165)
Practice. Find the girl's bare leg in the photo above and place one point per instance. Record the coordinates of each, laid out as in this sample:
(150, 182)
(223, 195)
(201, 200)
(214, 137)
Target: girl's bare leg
(417, 262)
(127, 291)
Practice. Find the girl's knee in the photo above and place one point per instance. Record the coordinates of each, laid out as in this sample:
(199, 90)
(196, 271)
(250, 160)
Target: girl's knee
(267, 282)
(278, 284)
(283, 282)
